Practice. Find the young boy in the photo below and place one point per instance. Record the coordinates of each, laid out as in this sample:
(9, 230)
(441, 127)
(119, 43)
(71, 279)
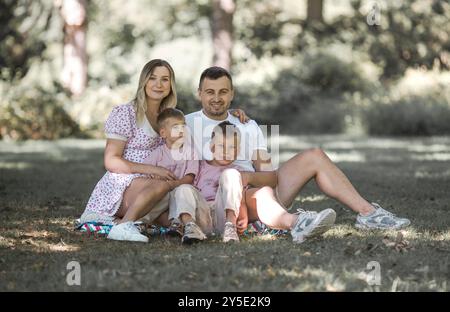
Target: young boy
(221, 187)
(179, 158)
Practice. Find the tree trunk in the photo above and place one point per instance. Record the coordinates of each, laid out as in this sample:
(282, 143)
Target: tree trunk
(222, 32)
(315, 9)
(74, 73)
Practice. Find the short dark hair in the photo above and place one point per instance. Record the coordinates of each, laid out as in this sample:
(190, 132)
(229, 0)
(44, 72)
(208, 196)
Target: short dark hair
(213, 73)
(168, 113)
(224, 129)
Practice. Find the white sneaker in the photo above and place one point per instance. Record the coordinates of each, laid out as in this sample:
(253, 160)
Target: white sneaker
(311, 223)
(230, 233)
(192, 234)
(127, 231)
(381, 219)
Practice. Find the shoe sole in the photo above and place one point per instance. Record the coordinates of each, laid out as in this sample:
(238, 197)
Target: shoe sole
(128, 240)
(190, 240)
(174, 234)
(231, 241)
(322, 226)
(364, 227)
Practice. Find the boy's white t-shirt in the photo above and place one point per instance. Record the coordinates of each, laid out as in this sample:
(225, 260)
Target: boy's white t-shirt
(252, 138)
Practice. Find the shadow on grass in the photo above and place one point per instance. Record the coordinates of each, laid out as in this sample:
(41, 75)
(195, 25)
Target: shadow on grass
(34, 254)
(44, 189)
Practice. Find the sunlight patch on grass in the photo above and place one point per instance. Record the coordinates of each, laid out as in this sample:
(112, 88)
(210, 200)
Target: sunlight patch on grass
(340, 145)
(290, 273)
(265, 238)
(336, 157)
(6, 242)
(39, 245)
(344, 230)
(432, 157)
(42, 146)
(66, 223)
(409, 233)
(435, 236)
(321, 280)
(62, 247)
(353, 156)
(420, 174)
(434, 148)
(15, 165)
(39, 234)
(37, 240)
(312, 198)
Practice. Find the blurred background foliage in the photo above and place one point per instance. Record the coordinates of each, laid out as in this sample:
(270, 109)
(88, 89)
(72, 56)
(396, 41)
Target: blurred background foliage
(325, 70)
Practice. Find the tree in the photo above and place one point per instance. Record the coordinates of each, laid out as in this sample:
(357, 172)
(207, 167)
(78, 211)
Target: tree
(22, 35)
(314, 11)
(222, 32)
(74, 73)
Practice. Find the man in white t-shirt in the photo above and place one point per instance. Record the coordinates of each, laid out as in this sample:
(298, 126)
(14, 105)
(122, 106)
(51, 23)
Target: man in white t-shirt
(216, 93)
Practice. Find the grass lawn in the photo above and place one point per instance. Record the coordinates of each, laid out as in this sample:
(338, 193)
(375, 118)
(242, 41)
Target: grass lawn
(44, 186)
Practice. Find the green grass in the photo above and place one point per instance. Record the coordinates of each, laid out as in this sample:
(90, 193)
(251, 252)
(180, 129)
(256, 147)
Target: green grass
(44, 186)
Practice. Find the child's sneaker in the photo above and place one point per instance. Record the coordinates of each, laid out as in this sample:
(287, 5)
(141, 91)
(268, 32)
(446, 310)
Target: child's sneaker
(311, 223)
(127, 231)
(230, 233)
(175, 229)
(192, 234)
(381, 219)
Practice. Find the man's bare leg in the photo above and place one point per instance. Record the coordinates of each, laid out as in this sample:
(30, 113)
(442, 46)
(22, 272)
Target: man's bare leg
(315, 164)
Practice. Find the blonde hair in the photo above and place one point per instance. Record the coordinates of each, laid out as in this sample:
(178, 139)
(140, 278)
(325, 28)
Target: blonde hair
(139, 102)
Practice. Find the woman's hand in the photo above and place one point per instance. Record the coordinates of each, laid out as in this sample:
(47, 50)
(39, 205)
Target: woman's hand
(162, 173)
(239, 113)
(173, 184)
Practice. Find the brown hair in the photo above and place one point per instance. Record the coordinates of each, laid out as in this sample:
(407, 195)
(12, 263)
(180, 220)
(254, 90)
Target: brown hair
(224, 129)
(214, 73)
(168, 113)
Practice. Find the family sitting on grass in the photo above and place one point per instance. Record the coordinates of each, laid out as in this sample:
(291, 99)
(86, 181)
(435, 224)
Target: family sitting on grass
(209, 171)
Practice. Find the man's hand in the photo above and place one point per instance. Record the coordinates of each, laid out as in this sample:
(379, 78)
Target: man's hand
(239, 113)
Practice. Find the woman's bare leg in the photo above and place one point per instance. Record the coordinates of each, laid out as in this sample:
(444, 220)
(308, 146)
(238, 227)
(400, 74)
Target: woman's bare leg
(314, 163)
(262, 205)
(140, 198)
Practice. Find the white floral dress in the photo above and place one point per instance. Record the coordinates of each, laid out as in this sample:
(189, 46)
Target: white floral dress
(141, 141)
